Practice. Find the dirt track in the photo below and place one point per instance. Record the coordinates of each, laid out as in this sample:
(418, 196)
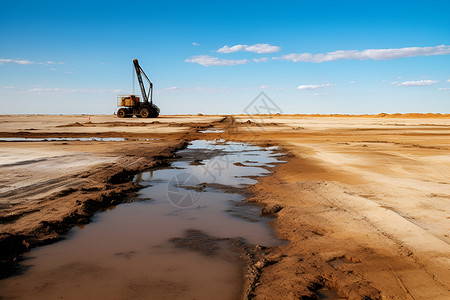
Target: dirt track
(364, 202)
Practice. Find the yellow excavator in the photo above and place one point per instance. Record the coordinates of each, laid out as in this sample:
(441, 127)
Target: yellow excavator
(131, 105)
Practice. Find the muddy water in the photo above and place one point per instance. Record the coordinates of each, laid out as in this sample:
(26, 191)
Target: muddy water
(129, 251)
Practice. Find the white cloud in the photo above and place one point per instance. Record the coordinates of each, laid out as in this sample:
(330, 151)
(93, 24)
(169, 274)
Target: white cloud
(376, 54)
(262, 59)
(44, 90)
(320, 94)
(200, 89)
(226, 49)
(443, 89)
(206, 60)
(9, 87)
(256, 48)
(352, 82)
(448, 80)
(313, 86)
(15, 61)
(195, 44)
(415, 83)
(27, 62)
(268, 87)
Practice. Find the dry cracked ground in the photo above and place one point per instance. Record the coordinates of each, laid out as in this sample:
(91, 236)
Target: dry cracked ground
(363, 201)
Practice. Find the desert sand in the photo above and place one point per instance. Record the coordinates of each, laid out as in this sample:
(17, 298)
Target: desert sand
(363, 202)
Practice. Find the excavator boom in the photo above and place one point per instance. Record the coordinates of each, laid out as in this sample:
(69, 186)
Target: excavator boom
(139, 71)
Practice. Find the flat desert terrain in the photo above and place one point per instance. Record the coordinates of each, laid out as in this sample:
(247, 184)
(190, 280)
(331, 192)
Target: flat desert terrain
(363, 203)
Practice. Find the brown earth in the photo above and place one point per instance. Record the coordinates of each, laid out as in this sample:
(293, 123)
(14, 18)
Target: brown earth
(363, 202)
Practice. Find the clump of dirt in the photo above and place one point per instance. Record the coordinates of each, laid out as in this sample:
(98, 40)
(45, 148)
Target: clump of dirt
(253, 256)
(271, 209)
(196, 162)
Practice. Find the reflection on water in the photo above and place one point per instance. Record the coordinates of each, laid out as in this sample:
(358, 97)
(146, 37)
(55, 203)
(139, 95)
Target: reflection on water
(126, 252)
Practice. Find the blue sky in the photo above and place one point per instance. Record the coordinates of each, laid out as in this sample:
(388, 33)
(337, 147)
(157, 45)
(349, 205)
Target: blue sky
(74, 57)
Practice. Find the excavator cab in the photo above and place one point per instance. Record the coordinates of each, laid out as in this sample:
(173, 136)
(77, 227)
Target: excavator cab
(128, 100)
(130, 105)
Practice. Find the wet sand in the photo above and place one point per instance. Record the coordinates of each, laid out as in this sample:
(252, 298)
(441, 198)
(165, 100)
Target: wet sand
(363, 201)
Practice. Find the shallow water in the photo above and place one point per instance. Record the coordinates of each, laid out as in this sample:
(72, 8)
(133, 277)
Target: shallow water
(126, 251)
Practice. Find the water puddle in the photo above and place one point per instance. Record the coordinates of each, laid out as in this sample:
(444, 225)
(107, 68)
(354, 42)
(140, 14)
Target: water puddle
(89, 139)
(173, 242)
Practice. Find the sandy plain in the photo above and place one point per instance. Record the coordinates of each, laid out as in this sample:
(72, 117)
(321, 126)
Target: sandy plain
(364, 202)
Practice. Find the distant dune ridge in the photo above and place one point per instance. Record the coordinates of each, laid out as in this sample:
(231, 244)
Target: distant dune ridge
(381, 115)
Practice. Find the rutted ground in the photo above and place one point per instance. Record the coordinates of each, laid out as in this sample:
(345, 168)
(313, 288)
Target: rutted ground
(365, 205)
(364, 202)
